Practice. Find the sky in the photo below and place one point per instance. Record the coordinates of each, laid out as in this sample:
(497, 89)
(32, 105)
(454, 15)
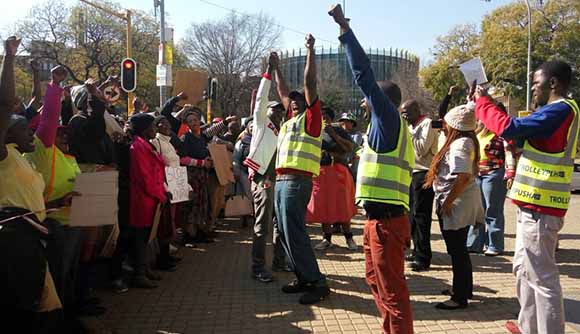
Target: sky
(412, 25)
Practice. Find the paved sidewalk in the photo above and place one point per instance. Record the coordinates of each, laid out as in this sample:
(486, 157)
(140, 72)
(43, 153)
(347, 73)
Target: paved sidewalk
(212, 291)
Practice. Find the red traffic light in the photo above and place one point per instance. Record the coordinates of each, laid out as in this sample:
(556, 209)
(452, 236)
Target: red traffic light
(128, 64)
(128, 75)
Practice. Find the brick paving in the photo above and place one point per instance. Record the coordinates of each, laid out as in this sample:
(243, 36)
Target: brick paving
(212, 291)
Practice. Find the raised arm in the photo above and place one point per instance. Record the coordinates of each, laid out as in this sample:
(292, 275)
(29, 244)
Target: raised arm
(282, 88)
(310, 87)
(444, 105)
(168, 109)
(48, 125)
(7, 90)
(260, 111)
(35, 97)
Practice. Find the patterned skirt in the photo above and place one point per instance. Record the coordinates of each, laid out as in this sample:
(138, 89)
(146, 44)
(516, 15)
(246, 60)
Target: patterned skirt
(197, 211)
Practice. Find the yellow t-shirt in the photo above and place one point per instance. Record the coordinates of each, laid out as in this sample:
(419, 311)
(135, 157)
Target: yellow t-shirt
(20, 185)
(59, 171)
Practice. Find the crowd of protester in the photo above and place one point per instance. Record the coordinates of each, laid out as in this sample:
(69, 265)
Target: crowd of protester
(294, 165)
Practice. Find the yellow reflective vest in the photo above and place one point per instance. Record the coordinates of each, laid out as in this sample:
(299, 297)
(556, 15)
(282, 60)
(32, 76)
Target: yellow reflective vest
(296, 148)
(386, 177)
(544, 179)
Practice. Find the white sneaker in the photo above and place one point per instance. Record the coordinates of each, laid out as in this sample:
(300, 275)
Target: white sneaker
(351, 244)
(490, 252)
(324, 244)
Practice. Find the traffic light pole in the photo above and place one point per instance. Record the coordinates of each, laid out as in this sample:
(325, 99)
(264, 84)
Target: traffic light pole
(162, 41)
(127, 18)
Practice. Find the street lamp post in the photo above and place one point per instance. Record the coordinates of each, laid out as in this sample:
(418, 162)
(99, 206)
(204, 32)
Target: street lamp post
(529, 71)
(127, 18)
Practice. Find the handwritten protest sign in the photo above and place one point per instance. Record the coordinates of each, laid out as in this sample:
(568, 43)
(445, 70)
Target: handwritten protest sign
(473, 70)
(177, 183)
(97, 204)
(222, 162)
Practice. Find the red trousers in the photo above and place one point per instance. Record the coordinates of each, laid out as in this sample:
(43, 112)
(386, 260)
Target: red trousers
(384, 245)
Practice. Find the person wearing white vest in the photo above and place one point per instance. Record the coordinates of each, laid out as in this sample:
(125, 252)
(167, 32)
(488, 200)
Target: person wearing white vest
(261, 163)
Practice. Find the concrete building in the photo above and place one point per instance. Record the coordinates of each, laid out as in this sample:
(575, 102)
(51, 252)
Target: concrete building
(335, 77)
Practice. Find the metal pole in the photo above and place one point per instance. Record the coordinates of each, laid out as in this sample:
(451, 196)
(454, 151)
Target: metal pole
(528, 74)
(131, 95)
(162, 51)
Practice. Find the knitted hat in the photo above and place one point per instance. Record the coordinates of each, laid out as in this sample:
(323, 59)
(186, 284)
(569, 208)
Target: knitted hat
(80, 96)
(461, 118)
(140, 122)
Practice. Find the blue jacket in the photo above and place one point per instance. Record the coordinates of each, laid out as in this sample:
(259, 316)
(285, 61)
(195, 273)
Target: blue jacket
(385, 120)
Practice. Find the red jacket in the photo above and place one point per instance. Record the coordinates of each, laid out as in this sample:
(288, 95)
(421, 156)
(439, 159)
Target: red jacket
(147, 175)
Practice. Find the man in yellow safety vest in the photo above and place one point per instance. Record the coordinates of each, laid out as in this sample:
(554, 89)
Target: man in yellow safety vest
(541, 190)
(298, 160)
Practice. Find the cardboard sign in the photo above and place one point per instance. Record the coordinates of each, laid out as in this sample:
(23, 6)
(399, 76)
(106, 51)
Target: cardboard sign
(222, 162)
(155, 226)
(177, 183)
(473, 70)
(193, 83)
(97, 205)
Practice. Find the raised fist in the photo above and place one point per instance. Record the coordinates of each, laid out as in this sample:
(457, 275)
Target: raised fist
(11, 45)
(273, 60)
(310, 41)
(337, 14)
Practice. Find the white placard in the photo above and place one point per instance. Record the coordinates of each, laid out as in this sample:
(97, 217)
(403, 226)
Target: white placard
(97, 204)
(473, 70)
(177, 183)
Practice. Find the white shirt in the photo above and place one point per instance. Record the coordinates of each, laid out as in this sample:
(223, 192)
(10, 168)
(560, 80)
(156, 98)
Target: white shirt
(264, 133)
(165, 148)
(424, 140)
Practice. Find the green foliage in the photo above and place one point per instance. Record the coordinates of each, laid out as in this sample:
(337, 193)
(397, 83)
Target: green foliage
(92, 43)
(459, 45)
(502, 45)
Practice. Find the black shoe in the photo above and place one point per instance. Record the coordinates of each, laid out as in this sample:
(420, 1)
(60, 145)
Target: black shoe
(315, 295)
(450, 305)
(119, 286)
(263, 276)
(91, 310)
(296, 287)
(282, 268)
(449, 293)
(203, 238)
(410, 258)
(187, 239)
(418, 266)
(93, 301)
(174, 259)
(167, 266)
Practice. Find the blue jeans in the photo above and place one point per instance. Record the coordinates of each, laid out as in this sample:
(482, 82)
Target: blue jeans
(493, 192)
(292, 197)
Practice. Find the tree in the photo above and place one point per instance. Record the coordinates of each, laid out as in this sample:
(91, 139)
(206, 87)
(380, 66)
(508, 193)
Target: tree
(91, 43)
(459, 45)
(231, 50)
(332, 89)
(502, 45)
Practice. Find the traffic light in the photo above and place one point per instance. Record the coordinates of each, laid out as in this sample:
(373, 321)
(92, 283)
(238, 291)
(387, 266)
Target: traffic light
(128, 75)
(213, 89)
